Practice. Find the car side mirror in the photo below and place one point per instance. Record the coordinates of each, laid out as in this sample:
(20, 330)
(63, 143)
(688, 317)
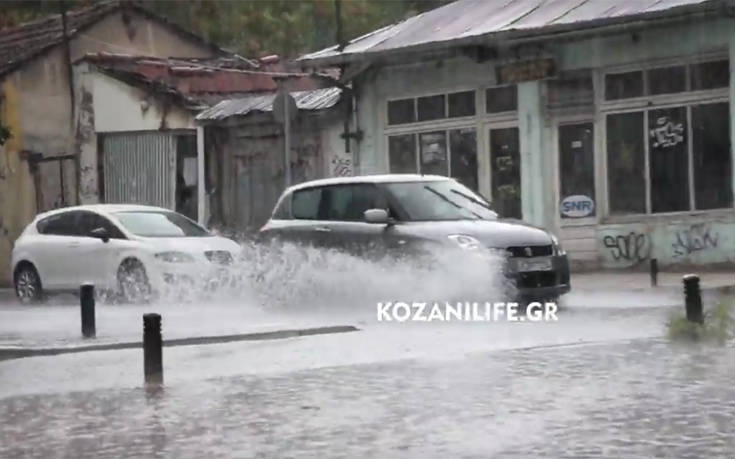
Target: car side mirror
(377, 216)
(100, 233)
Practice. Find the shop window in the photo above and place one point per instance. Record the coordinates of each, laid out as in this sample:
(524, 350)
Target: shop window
(433, 148)
(623, 85)
(501, 99)
(577, 170)
(711, 156)
(667, 80)
(710, 75)
(626, 163)
(675, 173)
(402, 153)
(431, 108)
(462, 104)
(463, 164)
(401, 111)
(668, 159)
(505, 169)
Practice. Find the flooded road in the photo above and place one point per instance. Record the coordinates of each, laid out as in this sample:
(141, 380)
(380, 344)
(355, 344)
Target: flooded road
(599, 382)
(636, 399)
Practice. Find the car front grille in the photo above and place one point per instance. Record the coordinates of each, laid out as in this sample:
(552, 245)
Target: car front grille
(530, 251)
(220, 257)
(535, 279)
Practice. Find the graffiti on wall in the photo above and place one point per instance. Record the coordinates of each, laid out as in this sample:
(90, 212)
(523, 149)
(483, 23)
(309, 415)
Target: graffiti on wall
(630, 248)
(341, 166)
(694, 238)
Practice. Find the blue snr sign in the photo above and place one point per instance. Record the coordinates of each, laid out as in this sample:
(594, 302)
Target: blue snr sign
(577, 206)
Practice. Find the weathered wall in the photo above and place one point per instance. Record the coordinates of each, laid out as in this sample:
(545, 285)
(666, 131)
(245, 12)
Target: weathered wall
(539, 169)
(250, 159)
(107, 105)
(36, 105)
(684, 242)
(17, 194)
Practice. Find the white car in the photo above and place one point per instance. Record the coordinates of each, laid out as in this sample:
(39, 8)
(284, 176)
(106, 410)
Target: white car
(129, 249)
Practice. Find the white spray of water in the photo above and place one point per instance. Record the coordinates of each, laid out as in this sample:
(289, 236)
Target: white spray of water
(309, 278)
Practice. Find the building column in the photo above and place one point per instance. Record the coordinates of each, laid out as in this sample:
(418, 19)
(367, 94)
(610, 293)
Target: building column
(732, 110)
(201, 185)
(535, 173)
(84, 136)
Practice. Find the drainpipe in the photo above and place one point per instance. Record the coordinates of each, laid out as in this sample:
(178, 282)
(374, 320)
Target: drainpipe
(72, 101)
(201, 189)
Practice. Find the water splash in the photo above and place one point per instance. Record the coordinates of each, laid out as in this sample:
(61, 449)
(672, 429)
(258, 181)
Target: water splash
(293, 276)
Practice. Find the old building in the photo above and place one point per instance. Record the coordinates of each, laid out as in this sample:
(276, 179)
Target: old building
(38, 96)
(143, 139)
(609, 122)
(246, 142)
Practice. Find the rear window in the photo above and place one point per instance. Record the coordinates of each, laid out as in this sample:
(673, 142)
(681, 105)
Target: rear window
(63, 224)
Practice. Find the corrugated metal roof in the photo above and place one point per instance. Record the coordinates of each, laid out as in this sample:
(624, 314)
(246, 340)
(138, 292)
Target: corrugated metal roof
(317, 99)
(465, 21)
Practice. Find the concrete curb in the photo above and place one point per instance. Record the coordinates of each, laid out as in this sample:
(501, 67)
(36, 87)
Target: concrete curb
(722, 290)
(8, 353)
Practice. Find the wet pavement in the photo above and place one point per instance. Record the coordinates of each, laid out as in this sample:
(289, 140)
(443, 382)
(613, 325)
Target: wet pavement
(636, 399)
(600, 382)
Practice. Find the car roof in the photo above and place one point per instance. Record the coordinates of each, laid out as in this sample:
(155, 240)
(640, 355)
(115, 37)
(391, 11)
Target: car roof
(104, 209)
(382, 178)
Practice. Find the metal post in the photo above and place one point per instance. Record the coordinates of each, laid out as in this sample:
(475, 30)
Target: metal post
(152, 349)
(693, 299)
(654, 272)
(86, 300)
(287, 138)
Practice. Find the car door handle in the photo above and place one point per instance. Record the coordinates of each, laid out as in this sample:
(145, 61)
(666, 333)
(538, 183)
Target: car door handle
(322, 229)
(73, 244)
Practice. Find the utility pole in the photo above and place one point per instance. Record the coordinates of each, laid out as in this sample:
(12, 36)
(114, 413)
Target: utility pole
(338, 19)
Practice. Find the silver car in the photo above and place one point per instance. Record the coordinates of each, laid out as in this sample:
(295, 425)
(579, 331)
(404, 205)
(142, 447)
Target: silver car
(381, 215)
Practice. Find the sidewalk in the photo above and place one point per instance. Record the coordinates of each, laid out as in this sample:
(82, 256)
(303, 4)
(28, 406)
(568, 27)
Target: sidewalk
(722, 282)
(55, 327)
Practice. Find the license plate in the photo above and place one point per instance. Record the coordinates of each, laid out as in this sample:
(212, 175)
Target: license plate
(534, 264)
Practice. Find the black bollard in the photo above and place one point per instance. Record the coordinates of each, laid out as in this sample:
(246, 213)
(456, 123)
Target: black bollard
(152, 349)
(86, 300)
(693, 299)
(654, 272)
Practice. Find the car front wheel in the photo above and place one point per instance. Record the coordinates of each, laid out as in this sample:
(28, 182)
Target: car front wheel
(28, 285)
(133, 282)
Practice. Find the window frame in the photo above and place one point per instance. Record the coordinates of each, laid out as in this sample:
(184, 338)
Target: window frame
(645, 104)
(481, 122)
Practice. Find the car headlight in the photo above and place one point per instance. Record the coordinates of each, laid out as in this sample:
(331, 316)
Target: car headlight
(555, 246)
(174, 257)
(465, 242)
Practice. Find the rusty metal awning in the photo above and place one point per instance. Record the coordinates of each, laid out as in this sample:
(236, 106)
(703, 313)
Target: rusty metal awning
(317, 99)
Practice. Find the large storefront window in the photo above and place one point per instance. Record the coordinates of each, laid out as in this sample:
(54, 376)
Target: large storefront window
(663, 155)
(626, 163)
(711, 156)
(673, 156)
(450, 153)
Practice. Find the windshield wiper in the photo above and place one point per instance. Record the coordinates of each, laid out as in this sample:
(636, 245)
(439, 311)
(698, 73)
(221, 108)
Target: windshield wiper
(473, 200)
(442, 196)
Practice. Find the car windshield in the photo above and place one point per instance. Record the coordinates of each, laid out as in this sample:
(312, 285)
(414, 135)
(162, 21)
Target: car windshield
(160, 224)
(440, 200)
